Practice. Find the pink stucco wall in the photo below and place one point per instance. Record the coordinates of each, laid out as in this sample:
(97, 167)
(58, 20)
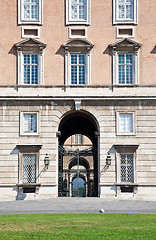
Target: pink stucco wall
(101, 33)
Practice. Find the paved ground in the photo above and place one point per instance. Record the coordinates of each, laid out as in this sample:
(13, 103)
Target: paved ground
(70, 205)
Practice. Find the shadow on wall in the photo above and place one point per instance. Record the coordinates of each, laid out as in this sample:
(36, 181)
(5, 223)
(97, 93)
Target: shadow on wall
(108, 51)
(60, 51)
(153, 50)
(13, 51)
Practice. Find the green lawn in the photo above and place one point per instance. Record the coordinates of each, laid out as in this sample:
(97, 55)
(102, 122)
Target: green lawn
(78, 226)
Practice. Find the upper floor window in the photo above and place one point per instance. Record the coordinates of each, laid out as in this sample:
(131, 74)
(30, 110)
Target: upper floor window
(125, 68)
(125, 11)
(78, 68)
(125, 62)
(30, 68)
(77, 61)
(77, 11)
(29, 11)
(30, 62)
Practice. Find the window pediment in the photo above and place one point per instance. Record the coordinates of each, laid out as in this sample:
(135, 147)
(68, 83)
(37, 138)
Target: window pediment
(125, 43)
(125, 148)
(78, 43)
(29, 43)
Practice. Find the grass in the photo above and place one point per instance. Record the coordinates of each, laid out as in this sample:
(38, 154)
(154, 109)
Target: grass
(78, 226)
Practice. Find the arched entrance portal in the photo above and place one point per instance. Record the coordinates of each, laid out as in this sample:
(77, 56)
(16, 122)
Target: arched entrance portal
(73, 166)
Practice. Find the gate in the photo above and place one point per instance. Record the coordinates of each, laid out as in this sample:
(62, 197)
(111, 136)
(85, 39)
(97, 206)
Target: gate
(78, 186)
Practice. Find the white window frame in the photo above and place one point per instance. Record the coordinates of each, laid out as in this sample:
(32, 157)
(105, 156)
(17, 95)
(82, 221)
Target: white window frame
(68, 68)
(115, 67)
(116, 20)
(21, 20)
(124, 36)
(22, 131)
(69, 20)
(77, 28)
(127, 133)
(21, 67)
(30, 28)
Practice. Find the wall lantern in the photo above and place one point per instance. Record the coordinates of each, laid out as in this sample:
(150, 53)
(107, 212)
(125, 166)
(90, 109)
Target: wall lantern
(108, 159)
(46, 160)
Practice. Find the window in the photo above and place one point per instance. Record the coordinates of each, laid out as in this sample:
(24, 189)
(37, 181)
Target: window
(30, 11)
(124, 32)
(126, 179)
(30, 68)
(125, 123)
(78, 69)
(125, 68)
(30, 32)
(77, 62)
(77, 12)
(125, 62)
(126, 168)
(29, 123)
(124, 11)
(77, 139)
(30, 62)
(77, 32)
(28, 169)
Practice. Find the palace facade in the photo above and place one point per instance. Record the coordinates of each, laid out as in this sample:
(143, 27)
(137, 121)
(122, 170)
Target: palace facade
(78, 99)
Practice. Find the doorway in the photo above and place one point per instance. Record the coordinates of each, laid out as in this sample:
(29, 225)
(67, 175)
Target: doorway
(78, 165)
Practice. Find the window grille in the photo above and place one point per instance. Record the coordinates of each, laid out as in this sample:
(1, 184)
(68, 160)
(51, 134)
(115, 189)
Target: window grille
(78, 69)
(125, 9)
(78, 9)
(126, 168)
(125, 68)
(31, 9)
(31, 71)
(29, 168)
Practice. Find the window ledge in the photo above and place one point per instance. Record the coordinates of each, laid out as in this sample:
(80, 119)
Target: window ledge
(126, 134)
(126, 184)
(125, 85)
(126, 22)
(29, 185)
(29, 134)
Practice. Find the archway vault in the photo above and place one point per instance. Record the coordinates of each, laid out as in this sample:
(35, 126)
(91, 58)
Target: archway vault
(77, 122)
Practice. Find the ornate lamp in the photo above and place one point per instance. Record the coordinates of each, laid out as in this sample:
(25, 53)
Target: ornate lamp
(108, 159)
(46, 160)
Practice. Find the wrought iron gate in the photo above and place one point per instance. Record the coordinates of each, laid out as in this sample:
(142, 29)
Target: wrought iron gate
(65, 188)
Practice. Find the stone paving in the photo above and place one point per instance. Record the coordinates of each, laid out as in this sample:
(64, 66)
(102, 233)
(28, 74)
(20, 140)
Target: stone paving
(77, 205)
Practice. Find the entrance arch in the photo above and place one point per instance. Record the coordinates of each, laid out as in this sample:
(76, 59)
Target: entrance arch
(77, 122)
